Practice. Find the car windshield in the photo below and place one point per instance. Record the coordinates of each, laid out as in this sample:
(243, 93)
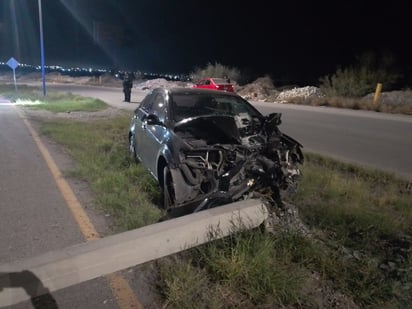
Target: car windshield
(194, 105)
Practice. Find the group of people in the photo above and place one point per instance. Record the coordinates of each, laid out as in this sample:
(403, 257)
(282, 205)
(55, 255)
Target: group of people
(127, 86)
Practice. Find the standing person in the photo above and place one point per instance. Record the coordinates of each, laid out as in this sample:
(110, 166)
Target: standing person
(127, 86)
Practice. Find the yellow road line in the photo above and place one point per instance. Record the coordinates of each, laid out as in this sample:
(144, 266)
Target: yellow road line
(125, 296)
(120, 287)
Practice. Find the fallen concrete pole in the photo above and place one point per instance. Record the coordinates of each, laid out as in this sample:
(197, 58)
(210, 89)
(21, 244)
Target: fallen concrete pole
(76, 264)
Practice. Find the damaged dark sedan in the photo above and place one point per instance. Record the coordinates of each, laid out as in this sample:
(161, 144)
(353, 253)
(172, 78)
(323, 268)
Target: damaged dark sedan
(208, 148)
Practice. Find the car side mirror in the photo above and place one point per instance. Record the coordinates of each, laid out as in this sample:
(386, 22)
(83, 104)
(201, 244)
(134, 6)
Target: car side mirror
(274, 118)
(272, 121)
(152, 119)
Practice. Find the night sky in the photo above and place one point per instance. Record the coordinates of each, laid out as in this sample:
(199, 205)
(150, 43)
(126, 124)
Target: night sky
(295, 41)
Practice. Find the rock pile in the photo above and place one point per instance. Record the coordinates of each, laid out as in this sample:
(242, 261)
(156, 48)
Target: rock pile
(303, 92)
(262, 89)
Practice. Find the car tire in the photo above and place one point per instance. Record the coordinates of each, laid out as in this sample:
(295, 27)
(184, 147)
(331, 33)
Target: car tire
(132, 147)
(169, 200)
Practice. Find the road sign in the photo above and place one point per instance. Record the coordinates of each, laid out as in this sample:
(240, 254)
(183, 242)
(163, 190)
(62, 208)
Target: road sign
(13, 63)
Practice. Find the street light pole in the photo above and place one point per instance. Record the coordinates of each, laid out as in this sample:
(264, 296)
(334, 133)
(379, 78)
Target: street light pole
(42, 48)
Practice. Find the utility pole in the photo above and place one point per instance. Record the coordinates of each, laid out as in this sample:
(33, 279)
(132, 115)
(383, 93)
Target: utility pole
(42, 48)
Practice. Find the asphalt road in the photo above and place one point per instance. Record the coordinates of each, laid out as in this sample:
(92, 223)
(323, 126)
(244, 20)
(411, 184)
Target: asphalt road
(29, 196)
(377, 140)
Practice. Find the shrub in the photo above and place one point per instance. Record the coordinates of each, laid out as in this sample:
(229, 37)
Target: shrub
(216, 70)
(361, 78)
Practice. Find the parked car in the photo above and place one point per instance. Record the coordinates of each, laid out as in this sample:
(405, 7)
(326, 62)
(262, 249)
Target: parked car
(215, 84)
(207, 148)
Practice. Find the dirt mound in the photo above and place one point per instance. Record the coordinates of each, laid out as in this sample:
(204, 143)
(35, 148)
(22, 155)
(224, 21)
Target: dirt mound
(262, 89)
(160, 82)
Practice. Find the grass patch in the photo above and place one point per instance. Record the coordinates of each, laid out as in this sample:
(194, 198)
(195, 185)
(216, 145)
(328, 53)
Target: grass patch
(364, 217)
(239, 271)
(361, 220)
(348, 199)
(384, 106)
(55, 102)
(185, 285)
(247, 263)
(122, 188)
(70, 103)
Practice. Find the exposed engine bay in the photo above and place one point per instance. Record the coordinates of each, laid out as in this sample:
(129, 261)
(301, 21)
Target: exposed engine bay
(227, 158)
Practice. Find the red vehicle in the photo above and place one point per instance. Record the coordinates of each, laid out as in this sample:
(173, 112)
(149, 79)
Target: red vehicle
(215, 84)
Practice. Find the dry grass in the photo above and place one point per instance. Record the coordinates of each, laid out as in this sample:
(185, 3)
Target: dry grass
(383, 105)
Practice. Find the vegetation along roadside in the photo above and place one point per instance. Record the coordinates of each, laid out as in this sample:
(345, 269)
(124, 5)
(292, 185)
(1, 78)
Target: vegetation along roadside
(358, 253)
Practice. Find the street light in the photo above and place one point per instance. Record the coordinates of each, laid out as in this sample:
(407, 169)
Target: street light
(42, 48)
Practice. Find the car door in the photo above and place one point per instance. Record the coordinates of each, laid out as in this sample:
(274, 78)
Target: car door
(154, 134)
(207, 84)
(140, 126)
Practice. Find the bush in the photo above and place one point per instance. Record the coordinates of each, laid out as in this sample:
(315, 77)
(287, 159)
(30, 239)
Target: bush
(361, 78)
(216, 70)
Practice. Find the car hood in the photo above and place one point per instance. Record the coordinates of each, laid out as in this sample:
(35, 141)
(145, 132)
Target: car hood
(213, 129)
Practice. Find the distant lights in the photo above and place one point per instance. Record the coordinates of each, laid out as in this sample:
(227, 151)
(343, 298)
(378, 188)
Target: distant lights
(98, 71)
(60, 68)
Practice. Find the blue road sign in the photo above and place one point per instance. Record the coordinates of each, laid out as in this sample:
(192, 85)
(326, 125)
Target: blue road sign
(13, 63)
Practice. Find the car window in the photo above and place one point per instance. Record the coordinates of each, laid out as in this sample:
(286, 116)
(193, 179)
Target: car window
(159, 107)
(193, 105)
(220, 81)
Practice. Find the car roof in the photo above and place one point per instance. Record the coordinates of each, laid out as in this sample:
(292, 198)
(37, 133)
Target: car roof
(214, 78)
(220, 80)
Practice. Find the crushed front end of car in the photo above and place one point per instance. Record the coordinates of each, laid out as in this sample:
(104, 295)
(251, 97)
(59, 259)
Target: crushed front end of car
(229, 158)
